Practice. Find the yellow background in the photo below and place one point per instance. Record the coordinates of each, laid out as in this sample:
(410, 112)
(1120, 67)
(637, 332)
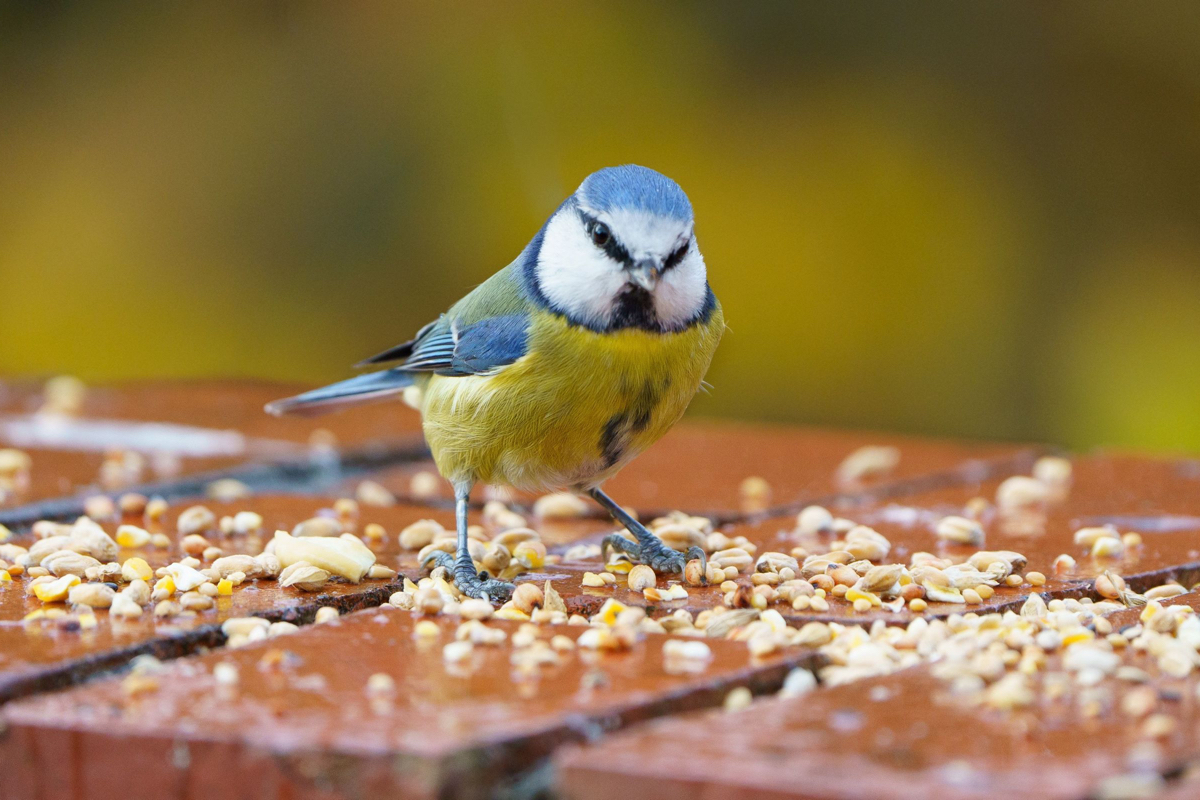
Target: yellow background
(967, 219)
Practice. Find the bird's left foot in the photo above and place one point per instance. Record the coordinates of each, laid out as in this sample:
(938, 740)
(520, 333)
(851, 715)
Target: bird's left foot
(651, 551)
(469, 582)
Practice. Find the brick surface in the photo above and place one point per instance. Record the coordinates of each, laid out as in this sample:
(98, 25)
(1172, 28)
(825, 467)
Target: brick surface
(892, 738)
(302, 724)
(700, 466)
(42, 654)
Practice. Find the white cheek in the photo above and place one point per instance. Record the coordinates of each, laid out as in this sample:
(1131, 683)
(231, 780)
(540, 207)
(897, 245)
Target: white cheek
(576, 277)
(682, 291)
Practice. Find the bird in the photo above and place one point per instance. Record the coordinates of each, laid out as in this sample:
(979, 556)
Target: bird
(562, 367)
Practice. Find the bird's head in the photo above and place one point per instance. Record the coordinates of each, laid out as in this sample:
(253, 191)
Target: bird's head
(621, 252)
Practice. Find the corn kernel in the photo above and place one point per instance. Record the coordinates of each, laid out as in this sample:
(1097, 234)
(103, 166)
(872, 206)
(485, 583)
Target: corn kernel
(136, 569)
(56, 591)
(225, 587)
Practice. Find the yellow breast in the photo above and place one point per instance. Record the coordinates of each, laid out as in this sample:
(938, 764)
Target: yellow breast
(572, 411)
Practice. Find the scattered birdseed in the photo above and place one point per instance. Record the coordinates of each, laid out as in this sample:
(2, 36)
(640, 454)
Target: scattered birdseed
(737, 699)
(871, 461)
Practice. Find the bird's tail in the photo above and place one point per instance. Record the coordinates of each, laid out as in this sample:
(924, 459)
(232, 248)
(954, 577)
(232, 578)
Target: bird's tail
(355, 391)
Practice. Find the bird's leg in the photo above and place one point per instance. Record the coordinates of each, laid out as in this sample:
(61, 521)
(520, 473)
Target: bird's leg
(462, 567)
(648, 549)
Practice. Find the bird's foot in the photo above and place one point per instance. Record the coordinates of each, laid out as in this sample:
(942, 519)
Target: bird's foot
(651, 551)
(469, 582)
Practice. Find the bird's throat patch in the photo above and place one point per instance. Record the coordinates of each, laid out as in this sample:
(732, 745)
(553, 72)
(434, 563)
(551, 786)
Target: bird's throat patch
(634, 308)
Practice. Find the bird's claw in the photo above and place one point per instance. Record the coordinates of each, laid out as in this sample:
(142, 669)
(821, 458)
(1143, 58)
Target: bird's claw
(471, 583)
(651, 551)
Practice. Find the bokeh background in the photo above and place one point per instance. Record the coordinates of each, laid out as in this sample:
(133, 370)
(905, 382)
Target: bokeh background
(969, 219)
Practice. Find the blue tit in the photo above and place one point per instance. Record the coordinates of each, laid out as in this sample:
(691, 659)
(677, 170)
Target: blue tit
(565, 365)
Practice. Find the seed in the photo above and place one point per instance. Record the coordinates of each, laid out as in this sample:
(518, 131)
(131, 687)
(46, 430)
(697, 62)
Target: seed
(984, 591)
(68, 562)
(863, 542)
(813, 520)
(1165, 591)
(457, 652)
(960, 530)
(167, 608)
(881, 579)
(531, 554)
(138, 591)
(304, 576)
(325, 614)
(155, 509)
(227, 490)
(1158, 725)
(868, 462)
(124, 606)
(381, 683)
(473, 608)
(755, 492)
(1087, 537)
(54, 590)
(380, 572)
(185, 578)
(95, 595)
(591, 579)
(735, 557)
(641, 577)
(99, 507)
(737, 699)
(844, 576)
(225, 674)
(1035, 578)
(1020, 492)
(195, 601)
(1108, 547)
(971, 597)
(195, 520)
(819, 604)
(423, 485)
(404, 601)
(917, 604)
(527, 596)
(862, 604)
(1063, 563)
(318, 527)
(561, 505)
(267, 565)
(1131, 539)
(132, 536)
(345, 556)
(160, 541)
(1110, 585)
(1052, 470)
(226, 566)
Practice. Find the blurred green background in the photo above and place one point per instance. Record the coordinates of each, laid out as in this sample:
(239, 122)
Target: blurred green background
(971, 219)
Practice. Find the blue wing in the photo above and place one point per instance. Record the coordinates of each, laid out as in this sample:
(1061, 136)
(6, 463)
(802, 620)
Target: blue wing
(442, 347)
(479, 347)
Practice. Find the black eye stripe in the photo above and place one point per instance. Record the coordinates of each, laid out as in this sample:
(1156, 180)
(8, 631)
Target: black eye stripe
(676, 257)
(614, 249)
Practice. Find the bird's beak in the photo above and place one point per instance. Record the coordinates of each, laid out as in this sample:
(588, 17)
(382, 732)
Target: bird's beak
(645, 273)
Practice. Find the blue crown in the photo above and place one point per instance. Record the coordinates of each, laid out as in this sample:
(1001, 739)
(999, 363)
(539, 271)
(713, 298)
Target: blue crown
(631, 186)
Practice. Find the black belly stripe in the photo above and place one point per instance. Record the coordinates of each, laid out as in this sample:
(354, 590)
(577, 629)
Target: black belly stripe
(633, 419)
(611, 444)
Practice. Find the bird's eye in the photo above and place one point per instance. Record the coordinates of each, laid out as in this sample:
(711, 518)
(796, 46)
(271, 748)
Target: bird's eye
(600, 234)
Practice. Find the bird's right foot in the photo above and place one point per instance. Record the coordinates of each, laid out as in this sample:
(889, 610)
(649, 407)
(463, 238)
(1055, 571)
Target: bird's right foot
(471, 583)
